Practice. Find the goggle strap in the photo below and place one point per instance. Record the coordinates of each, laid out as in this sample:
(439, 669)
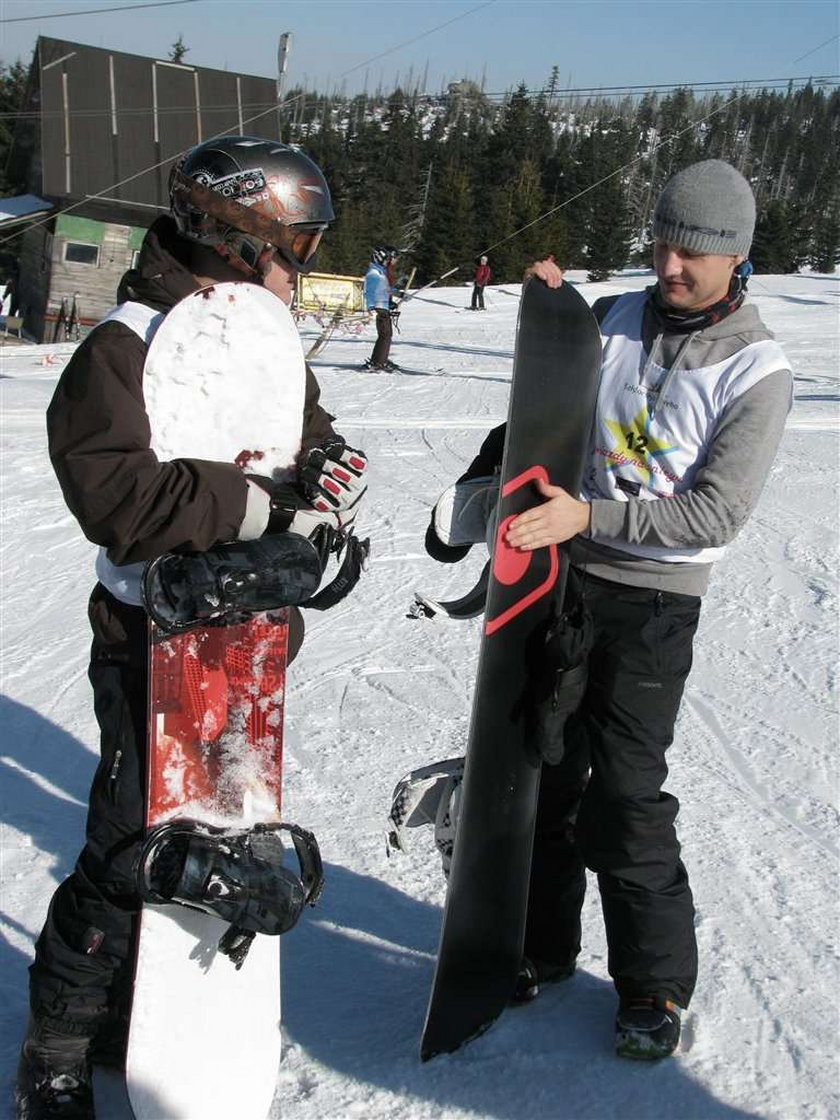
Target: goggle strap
(234, 260)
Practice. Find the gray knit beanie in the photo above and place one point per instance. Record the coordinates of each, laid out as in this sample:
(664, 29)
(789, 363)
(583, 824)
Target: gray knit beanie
(707, 208)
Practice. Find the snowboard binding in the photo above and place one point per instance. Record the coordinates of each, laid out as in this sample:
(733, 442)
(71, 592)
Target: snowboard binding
(234, 874)
(428, 795)
(182, 590)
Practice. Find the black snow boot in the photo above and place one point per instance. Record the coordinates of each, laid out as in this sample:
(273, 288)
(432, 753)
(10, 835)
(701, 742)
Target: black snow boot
(647, 1028)
(53, 1079)
(533, 973)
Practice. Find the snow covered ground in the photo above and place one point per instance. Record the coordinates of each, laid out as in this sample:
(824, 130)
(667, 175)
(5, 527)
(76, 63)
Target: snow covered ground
(374, 694)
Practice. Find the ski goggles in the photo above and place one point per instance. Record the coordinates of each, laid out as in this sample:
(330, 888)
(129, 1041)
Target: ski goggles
(296, 246)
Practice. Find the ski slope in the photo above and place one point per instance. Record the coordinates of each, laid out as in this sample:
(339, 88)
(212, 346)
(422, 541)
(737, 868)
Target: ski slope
(374, 694)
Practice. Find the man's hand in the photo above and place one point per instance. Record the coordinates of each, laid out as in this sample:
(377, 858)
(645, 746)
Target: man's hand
(548, 271)
(558, 519)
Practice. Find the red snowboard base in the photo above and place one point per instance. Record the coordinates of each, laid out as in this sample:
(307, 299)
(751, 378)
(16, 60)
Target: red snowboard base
(216, 747)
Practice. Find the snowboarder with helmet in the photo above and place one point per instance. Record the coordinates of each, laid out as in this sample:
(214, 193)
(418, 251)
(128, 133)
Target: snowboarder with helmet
(379, 298)
(242, 209)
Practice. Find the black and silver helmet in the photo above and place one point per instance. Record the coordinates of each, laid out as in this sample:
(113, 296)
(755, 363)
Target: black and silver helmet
(384, 254)
(247, 198)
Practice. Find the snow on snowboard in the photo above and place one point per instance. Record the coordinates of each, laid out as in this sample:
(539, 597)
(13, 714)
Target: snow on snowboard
(224, 380)
(555, 381)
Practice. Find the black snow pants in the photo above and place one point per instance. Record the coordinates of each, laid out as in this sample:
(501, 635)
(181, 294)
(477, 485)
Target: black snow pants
(384, 334)
(84, 955)
(603, 806)
(80, 980)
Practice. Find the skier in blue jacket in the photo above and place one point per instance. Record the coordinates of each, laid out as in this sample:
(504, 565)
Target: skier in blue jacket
(379, 288)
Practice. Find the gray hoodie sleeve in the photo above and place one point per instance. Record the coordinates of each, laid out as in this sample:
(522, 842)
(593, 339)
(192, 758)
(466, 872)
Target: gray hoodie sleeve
(725, 490)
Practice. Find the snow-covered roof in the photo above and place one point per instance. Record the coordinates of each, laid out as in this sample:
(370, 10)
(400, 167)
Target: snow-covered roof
(21, 207)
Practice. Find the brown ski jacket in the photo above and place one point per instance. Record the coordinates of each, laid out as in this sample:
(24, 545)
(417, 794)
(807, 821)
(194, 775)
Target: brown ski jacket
(124, 499)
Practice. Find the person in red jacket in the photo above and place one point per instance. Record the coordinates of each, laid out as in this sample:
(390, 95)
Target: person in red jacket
(482, 279)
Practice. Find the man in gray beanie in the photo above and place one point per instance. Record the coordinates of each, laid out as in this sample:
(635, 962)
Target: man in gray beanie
(692, 404)
(707, 208)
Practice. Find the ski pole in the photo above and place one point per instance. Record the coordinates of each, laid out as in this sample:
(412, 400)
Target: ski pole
(431, 284)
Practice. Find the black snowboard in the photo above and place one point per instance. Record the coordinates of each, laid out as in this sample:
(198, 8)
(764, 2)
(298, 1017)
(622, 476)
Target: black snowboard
(555, 383)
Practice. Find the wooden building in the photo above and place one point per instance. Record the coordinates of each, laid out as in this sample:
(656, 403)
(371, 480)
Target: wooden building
(97, 137)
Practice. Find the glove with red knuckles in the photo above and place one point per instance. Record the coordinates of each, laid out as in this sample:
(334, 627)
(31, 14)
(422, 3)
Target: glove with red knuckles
(333, 478)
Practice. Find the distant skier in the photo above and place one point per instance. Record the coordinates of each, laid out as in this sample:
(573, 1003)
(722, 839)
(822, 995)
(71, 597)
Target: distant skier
(692, 405)
(379, 297)
(243, 209)
(482, 279)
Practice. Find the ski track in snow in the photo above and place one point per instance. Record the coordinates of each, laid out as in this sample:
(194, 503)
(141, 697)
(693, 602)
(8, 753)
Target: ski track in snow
(374, 694)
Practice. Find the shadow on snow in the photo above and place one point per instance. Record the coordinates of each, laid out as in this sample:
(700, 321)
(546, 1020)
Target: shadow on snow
(35, 750)
(357, 973)
(356, 978)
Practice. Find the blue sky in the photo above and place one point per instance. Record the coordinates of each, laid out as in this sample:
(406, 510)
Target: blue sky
(361, 44)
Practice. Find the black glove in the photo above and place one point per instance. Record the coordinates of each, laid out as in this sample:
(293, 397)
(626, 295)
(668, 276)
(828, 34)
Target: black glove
(333, 478)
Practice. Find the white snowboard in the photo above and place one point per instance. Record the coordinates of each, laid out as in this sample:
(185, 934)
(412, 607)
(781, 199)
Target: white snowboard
(224, 380)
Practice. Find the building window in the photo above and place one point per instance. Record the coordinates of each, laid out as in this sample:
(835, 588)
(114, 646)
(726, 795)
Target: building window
(76, 252)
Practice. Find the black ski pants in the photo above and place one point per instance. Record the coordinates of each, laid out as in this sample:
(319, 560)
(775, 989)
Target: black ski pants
(384, 334)
(477, 298)
(80, 980)
(84, 954)
(603, 806)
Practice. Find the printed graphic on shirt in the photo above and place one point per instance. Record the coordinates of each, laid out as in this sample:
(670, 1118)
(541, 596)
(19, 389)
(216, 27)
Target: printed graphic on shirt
(638, 448)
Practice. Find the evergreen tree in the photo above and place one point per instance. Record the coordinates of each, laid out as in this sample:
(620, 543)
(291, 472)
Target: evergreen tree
(13, 81)
(449, 240)
(676, 118)
(825, 242)
(414, 228)
(779, 245)
(178, 50)
(608, 238)
(528, 207)
(536, 174)
(565, 228)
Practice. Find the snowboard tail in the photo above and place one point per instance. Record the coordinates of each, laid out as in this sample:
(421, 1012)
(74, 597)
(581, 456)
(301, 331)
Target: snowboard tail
(555, 381)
